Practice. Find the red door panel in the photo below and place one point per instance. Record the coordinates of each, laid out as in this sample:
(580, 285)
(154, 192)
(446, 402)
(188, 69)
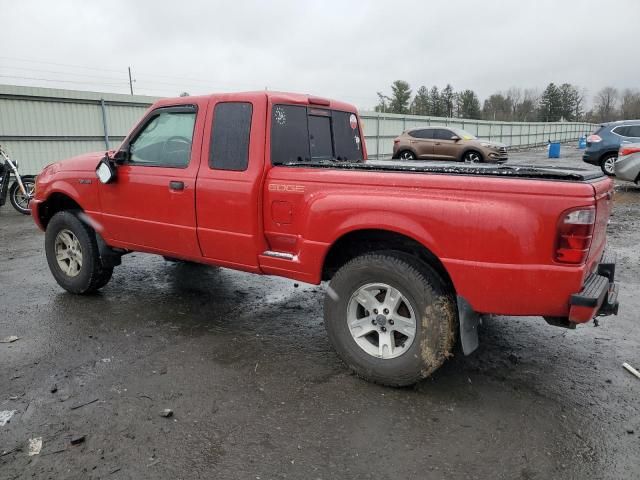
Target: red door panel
(229, 202)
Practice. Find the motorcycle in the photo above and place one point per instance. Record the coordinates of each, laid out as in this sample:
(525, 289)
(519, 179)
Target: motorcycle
(21, 190)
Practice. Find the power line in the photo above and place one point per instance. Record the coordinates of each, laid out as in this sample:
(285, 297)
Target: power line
(62, 64)
(62, 81)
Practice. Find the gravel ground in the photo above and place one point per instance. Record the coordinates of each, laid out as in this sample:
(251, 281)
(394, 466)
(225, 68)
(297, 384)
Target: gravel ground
(257, 392)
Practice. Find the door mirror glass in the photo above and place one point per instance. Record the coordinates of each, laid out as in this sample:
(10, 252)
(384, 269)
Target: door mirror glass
(105, 171)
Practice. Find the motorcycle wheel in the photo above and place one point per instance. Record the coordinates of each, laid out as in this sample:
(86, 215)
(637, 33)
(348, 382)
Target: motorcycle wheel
(19, 201)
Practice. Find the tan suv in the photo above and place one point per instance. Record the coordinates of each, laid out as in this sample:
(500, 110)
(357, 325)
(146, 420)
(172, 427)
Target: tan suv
(446, 143)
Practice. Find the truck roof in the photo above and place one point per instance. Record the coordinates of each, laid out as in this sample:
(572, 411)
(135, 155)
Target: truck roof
(272, 97)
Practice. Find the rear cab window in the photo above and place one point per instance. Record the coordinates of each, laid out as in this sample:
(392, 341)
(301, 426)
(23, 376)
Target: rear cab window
(311, 134)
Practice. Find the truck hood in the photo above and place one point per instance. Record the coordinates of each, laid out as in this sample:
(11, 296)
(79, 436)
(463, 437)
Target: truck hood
(87, 162)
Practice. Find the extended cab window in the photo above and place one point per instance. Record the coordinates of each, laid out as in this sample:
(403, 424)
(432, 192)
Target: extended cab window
(165, 141)
(230, 136)
(303, 134)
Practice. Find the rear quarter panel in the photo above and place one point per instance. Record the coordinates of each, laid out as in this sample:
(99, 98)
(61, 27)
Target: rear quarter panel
(495, 236)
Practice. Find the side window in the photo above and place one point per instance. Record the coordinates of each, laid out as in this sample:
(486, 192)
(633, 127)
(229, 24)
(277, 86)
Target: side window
(165, 141)
(230, 136)
(634, 131)
(289, 134)
(622, 130)
(424, 133)
(443, 134)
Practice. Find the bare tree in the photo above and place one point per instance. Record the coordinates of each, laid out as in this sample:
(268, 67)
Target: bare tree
(514, 95)
(630, 104)
(605, 104)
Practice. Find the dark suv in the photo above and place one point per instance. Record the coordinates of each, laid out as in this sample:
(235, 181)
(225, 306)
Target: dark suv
(603, 144)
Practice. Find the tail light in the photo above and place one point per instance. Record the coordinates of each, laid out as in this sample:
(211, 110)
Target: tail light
(594, 138)
(396, 142)
(628, 150)
(575, 231)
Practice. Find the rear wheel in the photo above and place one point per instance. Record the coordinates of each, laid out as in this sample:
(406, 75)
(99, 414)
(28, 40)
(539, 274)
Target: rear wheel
(407, 155)
(19, 200)
(390, 318)
(472, 157)
(608, 164)
(73, 255)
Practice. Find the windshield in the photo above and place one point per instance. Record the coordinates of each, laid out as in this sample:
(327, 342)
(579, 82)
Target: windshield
(306, 134)
(463, 134)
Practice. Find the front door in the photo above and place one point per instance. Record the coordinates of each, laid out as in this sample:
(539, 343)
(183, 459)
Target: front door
(151, 204)
(444, 148)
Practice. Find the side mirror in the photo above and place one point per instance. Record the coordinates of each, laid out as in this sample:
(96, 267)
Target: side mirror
(106, 171)
(455, 138)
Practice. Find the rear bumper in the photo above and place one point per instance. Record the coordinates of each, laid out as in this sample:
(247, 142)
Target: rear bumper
(599, 294)
(591, 157)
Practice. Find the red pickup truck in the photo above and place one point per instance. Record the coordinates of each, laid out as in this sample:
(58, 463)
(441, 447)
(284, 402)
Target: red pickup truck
(279, 184)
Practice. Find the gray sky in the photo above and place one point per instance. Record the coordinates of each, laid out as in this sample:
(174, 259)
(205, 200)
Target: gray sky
(342, 49)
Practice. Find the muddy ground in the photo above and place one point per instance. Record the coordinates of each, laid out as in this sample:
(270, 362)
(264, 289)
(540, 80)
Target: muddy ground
(258, 393)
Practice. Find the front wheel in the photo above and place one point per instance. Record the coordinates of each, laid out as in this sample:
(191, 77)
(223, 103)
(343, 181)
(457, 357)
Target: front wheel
(608, 164)
(472, 157)
(73, 255)
(390, 318)
(18, 199)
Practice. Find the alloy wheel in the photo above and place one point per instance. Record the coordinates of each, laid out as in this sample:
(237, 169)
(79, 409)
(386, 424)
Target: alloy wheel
(68, 253)
(381, 320)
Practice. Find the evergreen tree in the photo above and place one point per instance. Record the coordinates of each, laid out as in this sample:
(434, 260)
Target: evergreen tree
(550, 109)
(421, 102)
(400, 96)
(447, 98)
(469, 105)
(434, 102)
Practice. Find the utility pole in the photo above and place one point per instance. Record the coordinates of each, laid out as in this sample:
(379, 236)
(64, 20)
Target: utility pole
(130, 81)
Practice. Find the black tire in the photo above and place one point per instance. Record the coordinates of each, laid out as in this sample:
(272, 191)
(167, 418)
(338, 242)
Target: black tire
(91, 275)
(607, 162)
(472, 156)
(15, 192)
(435, 308)
(406, 155)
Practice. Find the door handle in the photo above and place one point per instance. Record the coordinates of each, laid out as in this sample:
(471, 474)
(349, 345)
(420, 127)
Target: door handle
(176, 185)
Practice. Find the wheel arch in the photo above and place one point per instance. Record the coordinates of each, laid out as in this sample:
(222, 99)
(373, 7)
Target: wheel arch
(56, 202)
(471, 149)
(360, 241)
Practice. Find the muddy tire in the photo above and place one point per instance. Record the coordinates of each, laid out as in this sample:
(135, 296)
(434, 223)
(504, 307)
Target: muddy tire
(390, 318)
(73, 255)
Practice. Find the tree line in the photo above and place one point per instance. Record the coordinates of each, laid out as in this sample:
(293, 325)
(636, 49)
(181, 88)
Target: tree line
(557, 102)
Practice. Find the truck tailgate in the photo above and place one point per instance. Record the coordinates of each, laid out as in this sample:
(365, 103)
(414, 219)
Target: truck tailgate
(603, 190)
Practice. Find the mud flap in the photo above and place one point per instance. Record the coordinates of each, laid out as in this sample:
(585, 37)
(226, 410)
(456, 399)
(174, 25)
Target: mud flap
(469, 322)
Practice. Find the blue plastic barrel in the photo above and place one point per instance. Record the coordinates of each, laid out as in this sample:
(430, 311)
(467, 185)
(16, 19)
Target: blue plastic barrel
(554, 150)
(582, 142)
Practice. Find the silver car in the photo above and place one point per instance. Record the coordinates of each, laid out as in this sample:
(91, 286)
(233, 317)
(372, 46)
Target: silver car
(627, 165)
